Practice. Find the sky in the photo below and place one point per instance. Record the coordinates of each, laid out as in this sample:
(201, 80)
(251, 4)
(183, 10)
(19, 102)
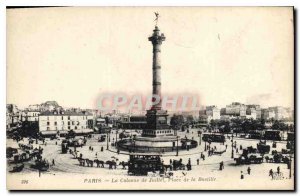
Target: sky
(222, 54)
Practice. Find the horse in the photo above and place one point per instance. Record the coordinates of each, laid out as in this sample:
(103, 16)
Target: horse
(89, 162)
(111, 164)
(99, 162)
(268, 159)
(81, 161)
(178, 165)
(168, 167)
(124, 164)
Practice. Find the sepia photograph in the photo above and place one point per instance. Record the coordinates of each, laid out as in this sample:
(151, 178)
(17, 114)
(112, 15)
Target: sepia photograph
(150, 98)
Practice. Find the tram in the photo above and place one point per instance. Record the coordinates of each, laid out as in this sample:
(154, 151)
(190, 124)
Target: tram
(141, 164)
(213, 137)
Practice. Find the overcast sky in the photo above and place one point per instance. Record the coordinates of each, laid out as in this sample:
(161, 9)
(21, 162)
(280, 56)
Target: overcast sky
(71, 55)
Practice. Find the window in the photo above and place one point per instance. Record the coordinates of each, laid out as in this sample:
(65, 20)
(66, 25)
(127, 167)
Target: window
(69, 127)
(69, 123)
(48, 123)
(55, 123)
(48, 128)
(68, 117)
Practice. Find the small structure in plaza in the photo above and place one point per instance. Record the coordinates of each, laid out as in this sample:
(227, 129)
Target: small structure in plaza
(157, 136)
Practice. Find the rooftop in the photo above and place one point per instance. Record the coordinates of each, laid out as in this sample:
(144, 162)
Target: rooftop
(65, 113)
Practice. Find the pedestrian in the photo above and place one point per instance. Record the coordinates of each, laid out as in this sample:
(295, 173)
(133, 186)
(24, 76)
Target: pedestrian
(248, 170)
(271, 173)
(241, 147)
(118, 151)
(53, 162)
(237, 150)
(203, 158)
(197, 161)
(170, 161)
(242, 175)
(221, 166)
(56, 143)
(278, 169)
(226, 146)
(189, 162)
(101, 148)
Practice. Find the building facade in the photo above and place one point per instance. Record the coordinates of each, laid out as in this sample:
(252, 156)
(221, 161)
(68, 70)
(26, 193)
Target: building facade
(236, 109)
(209, 113)
(64, 121)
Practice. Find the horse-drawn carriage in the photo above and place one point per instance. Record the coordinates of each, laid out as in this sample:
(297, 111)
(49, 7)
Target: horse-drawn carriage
(17, 168)
(178, 165)
(263, 148)
(140, 164)
(251, 158)
(64, 147)
(102, 138)
(10, 152)
(75, 142)
(277, 157)
(22, 157)
(41, 165)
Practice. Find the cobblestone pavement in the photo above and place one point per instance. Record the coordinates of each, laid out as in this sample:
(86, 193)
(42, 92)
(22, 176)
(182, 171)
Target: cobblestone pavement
(67, 164)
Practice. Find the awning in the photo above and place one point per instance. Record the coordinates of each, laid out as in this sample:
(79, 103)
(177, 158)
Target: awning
(48, 132)
(83, 130)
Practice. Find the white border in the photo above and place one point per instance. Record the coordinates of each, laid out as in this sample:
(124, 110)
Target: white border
(5, 3)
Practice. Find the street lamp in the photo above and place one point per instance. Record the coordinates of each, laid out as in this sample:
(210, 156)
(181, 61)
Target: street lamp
(134, 144)
(116, 137)
(107, 140)
(177, 146)
(200, 138)
(232, 146)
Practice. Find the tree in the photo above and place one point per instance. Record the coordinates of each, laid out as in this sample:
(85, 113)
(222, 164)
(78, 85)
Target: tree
(176, 121)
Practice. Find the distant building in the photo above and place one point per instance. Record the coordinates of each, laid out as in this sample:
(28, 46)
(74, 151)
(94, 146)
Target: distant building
(30, 115)
(209, 113)
(35, 107)
(53, 122)
(133, 122)
(251, 113)
(236, 109)
(13, 116)
(254, 109)
(278, 113)
(268, 114)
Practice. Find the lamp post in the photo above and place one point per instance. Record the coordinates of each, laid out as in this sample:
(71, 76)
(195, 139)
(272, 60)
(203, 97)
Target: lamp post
(107, 140)
(177, 146)
(134, 144)
(200, 138)
(116, 137)
(232, 146)
(290, 174)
